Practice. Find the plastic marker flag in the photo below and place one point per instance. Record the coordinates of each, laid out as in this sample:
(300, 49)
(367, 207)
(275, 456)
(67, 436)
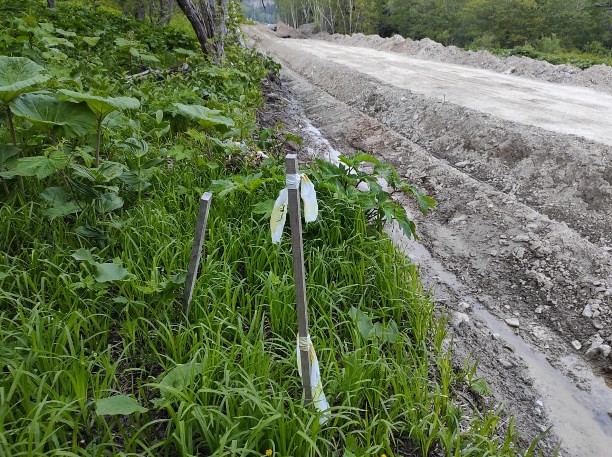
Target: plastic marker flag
(318, 396)
(279, 212)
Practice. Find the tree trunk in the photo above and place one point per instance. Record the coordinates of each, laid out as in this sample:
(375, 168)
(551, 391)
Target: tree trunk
(202, 19)
(221, 29)
(51, 3)
(165, 12)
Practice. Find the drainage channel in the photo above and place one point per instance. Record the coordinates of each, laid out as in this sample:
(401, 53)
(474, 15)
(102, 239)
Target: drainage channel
(579, 417)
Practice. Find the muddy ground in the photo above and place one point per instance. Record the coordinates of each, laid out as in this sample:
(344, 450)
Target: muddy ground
(518, 251)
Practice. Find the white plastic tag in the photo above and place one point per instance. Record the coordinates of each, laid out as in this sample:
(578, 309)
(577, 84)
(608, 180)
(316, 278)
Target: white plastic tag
(318, 396)
(309, 198)
(279, 216)
(279, 212)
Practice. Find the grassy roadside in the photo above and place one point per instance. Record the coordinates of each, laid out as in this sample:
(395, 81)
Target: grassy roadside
(92, 261)
(580, 59)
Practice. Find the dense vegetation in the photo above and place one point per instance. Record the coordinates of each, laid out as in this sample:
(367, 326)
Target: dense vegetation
(96, 358)
(547, 26)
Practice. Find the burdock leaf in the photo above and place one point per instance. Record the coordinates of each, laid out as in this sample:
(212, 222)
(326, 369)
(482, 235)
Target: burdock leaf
(119, 405)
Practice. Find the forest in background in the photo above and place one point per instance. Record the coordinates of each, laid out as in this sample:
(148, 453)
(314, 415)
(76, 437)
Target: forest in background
(547, 25)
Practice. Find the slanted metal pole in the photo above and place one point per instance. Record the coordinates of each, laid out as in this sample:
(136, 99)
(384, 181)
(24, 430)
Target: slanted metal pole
(196, 252)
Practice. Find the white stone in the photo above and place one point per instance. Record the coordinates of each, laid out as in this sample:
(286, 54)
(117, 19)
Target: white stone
(459, 319)
(464, 306)
(513, 322)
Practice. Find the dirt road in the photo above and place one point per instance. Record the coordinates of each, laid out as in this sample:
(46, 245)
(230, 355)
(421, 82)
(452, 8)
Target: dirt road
(522, 237)
(558, 108)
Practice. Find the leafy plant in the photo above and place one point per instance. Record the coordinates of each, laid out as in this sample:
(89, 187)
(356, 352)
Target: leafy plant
(105, 272)
(17, 76)
(101, 107)
(118, 405)
(206, 117)
(68, 119)
(365, 181)
(369, 330)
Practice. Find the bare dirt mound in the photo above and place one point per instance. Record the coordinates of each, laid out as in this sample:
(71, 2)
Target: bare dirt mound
(284, 31)
(598, 76)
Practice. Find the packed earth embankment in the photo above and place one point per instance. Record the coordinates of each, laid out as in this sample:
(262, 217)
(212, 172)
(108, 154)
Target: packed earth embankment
(523, 221)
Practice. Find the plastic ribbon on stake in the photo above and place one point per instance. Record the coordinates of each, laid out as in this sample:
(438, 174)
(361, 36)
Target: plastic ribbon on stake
(318, 396)
(279, 212)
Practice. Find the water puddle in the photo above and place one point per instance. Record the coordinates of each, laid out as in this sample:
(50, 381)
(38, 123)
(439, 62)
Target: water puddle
(579, 417)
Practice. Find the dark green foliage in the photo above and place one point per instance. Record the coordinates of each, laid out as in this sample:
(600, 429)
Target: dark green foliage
(557, 28)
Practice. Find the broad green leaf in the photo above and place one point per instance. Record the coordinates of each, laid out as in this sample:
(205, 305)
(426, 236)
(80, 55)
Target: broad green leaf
(18, 75)
(205, 116)
(118, 405)
(108, 202)
(179, 377)
(7, 152)
(123, 43)
(101, 106)
(481, 387)
(55, 195)
(246, 184)
(63, 209)
(65, 33)
(364, 323)
(132, 179)
(84, 255)
(71, 119)
(146, 57)
(425, 201)
(91, 232)
(363, 157)
(152, 163)
(392, 332)
(110, 170)
(184, 52)
(91, 40)
(178, 152)
(264, 208)
(108, 272)
(136, 146)
(379, 330)
(39, 166)
(52, 41)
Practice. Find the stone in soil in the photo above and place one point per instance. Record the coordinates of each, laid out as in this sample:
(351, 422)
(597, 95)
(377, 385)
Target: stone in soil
(513, 322)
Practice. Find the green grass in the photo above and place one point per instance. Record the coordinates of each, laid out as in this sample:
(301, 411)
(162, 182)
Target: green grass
(68, 341)
(577, 58)
(225, 382)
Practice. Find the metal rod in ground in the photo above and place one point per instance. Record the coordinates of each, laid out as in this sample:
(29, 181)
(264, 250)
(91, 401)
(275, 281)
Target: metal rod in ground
(297, 249)
(196, 251)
